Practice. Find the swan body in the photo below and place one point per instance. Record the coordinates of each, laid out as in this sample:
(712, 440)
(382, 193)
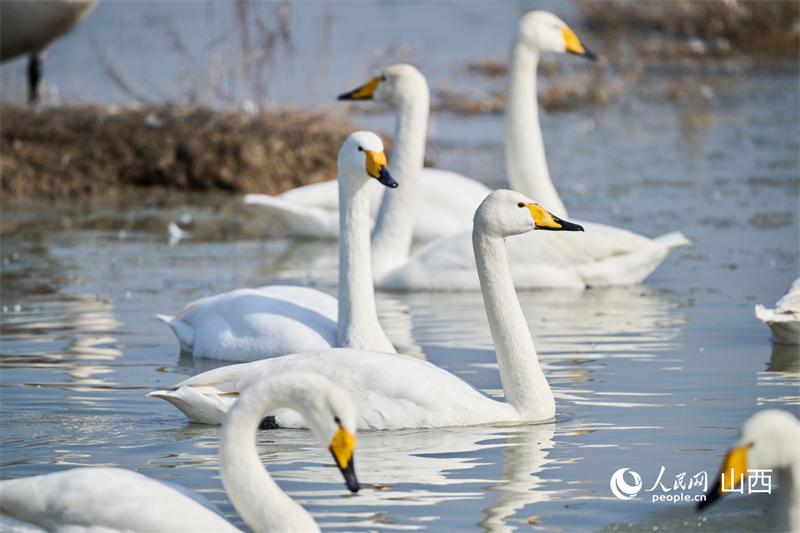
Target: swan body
(770, 440)
(602, 256)
(251, 324)
(29, 26)
(393, 391)
(439, 202)
(116, 500)
(784, 320)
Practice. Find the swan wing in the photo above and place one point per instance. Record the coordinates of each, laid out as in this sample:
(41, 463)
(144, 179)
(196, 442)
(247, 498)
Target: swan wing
(103, 500)
(251, 324)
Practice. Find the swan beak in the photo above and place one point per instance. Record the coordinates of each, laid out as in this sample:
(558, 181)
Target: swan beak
(735, 466)
(342, 446)
(376, 167)
(574, 45)
(365, 92)
(548, 221)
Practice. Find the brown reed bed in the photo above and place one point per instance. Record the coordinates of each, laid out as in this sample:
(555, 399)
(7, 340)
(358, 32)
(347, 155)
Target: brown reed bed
(69, 153)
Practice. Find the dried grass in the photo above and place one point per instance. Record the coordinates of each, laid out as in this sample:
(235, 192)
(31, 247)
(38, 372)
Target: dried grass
(728, 27)
(74, 152)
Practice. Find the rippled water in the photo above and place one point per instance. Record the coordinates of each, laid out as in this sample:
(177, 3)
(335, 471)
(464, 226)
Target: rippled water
(656, 375)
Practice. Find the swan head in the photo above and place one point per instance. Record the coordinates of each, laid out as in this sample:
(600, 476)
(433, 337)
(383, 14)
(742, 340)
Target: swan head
(544, 32)
(362, 158)
(769, 441)
(504, 213)
(330, 415)
(395, 86)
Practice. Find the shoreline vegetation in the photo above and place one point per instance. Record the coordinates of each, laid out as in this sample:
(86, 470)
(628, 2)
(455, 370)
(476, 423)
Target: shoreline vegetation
(75, 152)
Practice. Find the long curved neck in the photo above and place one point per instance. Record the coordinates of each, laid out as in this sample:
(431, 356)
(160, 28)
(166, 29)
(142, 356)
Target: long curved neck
(524, 384)
(358, 317)
(394, 229)
(526, 163)
(259, 500)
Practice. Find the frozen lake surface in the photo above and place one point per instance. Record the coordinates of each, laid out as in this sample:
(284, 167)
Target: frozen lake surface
(645, 377)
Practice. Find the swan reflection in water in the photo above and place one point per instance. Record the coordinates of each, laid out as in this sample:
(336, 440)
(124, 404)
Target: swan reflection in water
(400, 469)
(79, 326)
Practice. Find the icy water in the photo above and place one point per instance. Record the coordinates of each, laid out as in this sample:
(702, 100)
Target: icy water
(645, 377)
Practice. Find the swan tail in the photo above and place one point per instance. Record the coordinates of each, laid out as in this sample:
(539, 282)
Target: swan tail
(183, 331)
(676, 239)
(302, 221)
(198, 407)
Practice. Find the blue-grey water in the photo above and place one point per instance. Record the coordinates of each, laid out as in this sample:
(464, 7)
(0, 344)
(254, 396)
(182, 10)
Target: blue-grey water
(645, 377)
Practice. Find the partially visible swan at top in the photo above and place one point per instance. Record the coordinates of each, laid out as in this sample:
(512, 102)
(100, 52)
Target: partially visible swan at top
(431, 202)
(117, 500)
(251, 324)
(784, 320)
(770, 441)
(393, 391)
(602, 256)
(29, 26)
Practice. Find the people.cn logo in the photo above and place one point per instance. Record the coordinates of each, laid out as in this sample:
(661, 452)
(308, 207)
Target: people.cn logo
(621, 489)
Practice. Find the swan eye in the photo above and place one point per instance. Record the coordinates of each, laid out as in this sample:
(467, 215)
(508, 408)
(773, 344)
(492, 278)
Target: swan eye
(336, 419)
(520, 204)
(360, 149)
(383, 78)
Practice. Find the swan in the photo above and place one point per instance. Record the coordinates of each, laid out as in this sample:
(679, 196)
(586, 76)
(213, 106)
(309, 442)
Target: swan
(114, 499)
(394, 391)
(770, 441)
(29, 26)
(602, 256)
(784, 320)
(251, 324)
(439, 202)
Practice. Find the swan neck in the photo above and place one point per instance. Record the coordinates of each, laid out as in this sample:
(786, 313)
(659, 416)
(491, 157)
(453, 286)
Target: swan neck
(394, 228)
(254, 494)
(525, 156)
(524, 384)
(358, 317)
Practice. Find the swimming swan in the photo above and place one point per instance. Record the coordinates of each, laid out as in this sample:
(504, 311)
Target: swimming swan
(113, 499)
(252, 324)
(602, 256)
(770, 441)
(29, 26)
(784, 320)
(393, 391)
(439, 202)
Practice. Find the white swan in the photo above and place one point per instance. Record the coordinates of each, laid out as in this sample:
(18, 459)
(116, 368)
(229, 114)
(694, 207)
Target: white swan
(29, 26)
(393, 391)
(251, 324)
(602, 256)
(784, 320)
(770, 441)
(117, 500)
(439, 202)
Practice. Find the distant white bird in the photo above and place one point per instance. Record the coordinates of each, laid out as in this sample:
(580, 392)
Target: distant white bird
(784, 320)
(176, 234)
(770, 441)
(29, 26)
(109, 500)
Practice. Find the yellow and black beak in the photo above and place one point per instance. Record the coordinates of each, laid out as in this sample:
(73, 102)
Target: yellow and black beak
(342, 446)
(548, 221)
(574, 45)
(734, 469)
(376, 167)
(365, 92)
